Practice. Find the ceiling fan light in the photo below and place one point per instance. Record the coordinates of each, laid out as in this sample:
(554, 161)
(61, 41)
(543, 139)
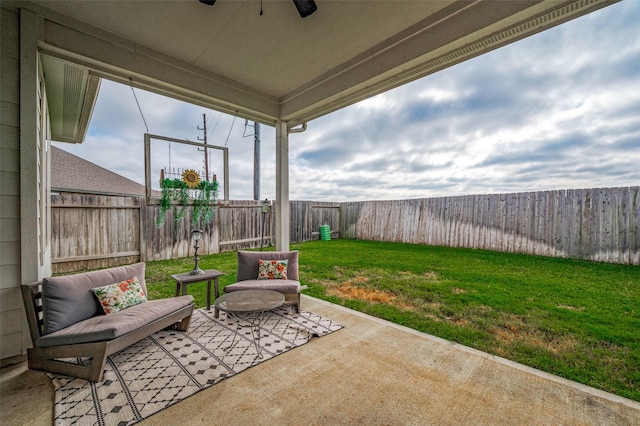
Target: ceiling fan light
(208, 2)
(305, 7)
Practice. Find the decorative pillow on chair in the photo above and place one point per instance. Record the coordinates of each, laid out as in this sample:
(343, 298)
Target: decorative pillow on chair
(119, 296)
(272, 269)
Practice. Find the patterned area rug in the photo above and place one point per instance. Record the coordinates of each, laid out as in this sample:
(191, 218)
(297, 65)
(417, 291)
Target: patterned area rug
(169, 366)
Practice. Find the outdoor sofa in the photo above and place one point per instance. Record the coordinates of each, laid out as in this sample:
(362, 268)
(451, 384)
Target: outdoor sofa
(70, 330)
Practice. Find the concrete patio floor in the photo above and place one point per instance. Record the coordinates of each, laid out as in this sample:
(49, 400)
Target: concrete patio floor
(371, 372)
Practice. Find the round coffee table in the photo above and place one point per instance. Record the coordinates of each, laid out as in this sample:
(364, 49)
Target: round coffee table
(248, 307)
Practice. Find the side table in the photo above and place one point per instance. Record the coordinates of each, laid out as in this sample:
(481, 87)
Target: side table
(210, 274)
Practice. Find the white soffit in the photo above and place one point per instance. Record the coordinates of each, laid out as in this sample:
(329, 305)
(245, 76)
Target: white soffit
(71, 93)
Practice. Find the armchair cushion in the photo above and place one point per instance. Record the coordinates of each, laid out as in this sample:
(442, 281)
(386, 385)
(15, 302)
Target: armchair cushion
(282, 286)
(248, 263)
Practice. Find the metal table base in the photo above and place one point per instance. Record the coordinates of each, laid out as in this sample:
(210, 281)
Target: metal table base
(248, 307)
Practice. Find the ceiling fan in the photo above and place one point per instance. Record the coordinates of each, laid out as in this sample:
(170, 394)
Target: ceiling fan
(305, 7)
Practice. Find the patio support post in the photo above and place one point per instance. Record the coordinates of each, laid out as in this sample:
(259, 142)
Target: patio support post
(282, 186)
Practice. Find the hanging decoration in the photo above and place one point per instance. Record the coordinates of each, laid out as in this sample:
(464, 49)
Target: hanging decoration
(191, 178)
(181, 188)
(190, 189)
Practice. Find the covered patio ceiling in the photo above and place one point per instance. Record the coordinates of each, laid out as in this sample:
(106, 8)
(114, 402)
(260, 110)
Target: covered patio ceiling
(275, 65)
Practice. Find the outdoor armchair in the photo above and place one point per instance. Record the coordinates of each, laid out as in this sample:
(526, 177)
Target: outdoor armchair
(249, 269)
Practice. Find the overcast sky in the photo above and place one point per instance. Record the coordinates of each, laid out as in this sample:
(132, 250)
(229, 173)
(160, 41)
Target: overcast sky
(558, 110)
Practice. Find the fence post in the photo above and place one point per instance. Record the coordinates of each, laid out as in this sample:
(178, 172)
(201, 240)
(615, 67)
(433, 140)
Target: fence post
(142, 237)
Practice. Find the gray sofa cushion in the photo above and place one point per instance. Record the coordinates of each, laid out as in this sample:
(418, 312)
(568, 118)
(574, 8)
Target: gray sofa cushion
(282, 286)
(108, 327)
(248, 263)
(68, 299)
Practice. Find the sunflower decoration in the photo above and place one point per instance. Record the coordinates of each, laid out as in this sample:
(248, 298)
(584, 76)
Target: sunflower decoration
(191, 178)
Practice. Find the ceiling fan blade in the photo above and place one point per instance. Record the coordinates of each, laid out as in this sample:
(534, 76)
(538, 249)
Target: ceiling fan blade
(305, 7)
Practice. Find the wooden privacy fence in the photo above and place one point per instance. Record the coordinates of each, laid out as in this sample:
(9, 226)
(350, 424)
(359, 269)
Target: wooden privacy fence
(98, 231)
(591, 224)
(93, 231)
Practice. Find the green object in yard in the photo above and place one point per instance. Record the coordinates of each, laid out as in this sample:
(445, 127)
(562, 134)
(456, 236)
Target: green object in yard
(325, 232)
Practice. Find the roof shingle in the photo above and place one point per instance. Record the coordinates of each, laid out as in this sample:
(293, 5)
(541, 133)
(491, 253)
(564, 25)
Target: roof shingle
(70, 173)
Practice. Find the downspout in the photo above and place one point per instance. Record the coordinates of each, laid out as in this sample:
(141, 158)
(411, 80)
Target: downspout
(299, 129)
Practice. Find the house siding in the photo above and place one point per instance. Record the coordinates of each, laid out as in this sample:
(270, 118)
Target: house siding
(11, 321)
(25, 254)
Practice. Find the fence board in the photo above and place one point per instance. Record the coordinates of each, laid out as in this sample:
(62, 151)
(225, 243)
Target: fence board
(634, 208)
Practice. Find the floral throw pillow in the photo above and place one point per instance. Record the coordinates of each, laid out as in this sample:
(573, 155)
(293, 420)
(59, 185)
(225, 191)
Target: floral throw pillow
(119, 296)
(272, 269)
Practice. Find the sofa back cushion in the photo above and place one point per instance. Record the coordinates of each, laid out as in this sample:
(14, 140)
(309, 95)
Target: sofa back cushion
(68, 299)
(248, 263)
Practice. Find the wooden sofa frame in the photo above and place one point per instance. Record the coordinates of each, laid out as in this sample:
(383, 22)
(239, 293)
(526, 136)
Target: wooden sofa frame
(51, 358)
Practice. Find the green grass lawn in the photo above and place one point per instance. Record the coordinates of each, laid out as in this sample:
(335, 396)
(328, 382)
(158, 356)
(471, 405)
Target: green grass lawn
(575, 319)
